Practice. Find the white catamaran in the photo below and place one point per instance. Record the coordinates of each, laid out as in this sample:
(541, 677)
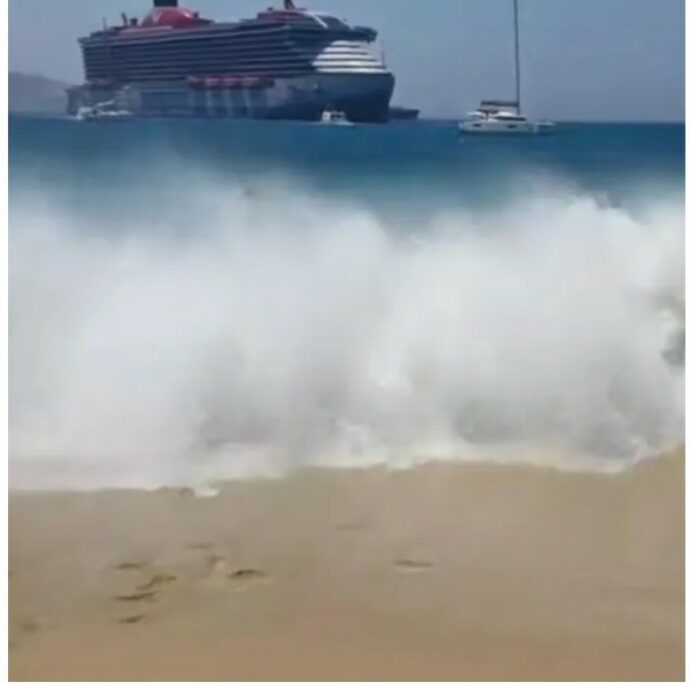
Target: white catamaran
(504, 117)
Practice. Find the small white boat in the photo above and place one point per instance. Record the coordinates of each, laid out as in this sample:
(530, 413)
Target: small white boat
(501, 117)
(335, 117)
(103, 112)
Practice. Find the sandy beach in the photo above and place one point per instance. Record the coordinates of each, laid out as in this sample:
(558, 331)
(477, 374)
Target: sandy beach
(446, 572)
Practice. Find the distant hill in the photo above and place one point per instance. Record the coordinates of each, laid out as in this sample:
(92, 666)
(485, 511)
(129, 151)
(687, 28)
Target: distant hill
(31, 93)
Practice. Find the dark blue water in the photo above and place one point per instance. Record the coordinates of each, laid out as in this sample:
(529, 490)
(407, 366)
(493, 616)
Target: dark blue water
(388, 166)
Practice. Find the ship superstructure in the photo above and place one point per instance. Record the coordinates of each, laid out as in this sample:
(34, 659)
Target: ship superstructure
(285, 63)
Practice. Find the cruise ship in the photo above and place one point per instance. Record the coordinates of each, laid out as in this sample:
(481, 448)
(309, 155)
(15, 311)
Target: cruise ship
(286, 63)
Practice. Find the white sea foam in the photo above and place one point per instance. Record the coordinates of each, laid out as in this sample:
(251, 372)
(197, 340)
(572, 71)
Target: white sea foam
(281, 330)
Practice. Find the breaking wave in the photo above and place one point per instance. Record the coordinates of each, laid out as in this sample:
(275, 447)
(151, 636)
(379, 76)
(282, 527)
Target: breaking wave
(239, 332)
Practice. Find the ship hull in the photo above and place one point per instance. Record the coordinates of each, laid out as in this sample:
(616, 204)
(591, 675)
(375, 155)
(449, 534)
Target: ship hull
(362, 97)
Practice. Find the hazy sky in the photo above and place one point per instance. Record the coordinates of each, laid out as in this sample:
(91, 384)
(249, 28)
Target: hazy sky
(582, 59)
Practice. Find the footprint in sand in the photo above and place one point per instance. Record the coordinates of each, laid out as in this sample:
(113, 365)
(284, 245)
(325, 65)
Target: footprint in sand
(148, 597)
(149, 589)
(246, 574)
(32, 625)
(412, 565)
(245, 577)
(131, 565)
(130, 620)
(146, 593)
(157, 581)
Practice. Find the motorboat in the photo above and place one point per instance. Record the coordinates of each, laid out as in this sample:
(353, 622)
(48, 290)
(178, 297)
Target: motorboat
(335, 117)
(106, 111)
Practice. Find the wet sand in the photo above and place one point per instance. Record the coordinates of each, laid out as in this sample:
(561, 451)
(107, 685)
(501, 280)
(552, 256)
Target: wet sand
(444, 572)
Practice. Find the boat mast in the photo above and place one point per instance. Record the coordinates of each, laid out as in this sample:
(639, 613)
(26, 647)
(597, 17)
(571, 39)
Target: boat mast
(517, 55)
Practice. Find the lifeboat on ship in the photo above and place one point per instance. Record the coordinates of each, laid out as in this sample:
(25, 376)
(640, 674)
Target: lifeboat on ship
(257, 82)
(232, 82)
